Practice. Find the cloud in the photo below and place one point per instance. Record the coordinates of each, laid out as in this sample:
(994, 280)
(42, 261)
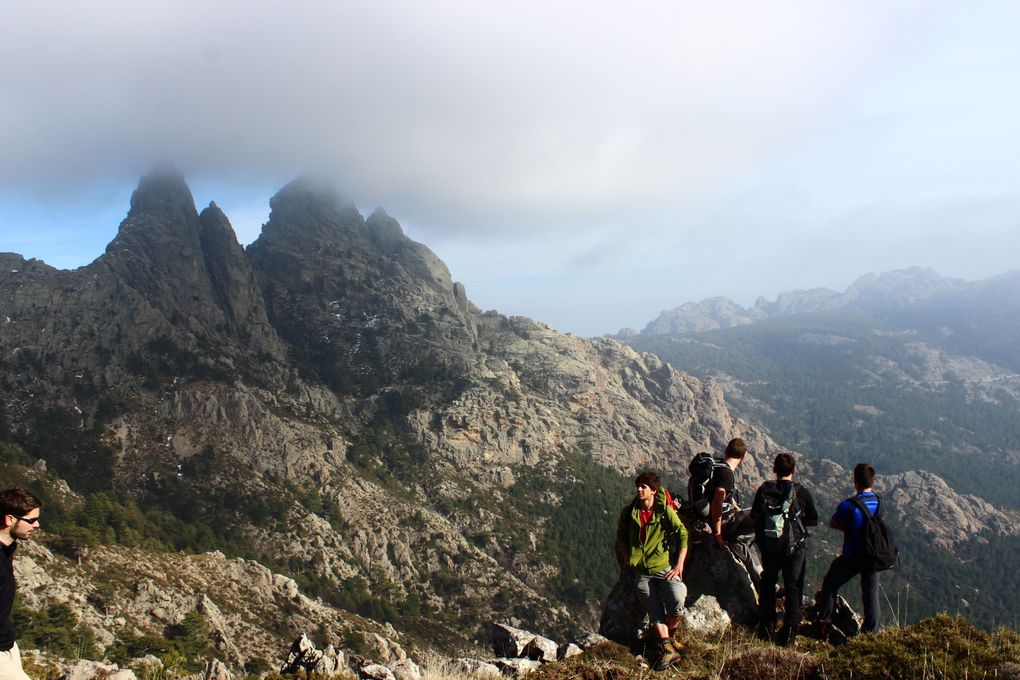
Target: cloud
(513, 115)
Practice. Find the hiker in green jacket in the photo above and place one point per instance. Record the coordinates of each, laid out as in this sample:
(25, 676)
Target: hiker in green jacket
(642, 546)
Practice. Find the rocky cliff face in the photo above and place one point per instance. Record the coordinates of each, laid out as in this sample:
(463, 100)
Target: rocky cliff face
(334, 362)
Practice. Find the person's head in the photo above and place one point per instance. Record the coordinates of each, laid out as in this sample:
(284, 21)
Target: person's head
(736, 449)
(20, 510)
(649, 479)
(646, 486)
(784, 465)
(864, 476)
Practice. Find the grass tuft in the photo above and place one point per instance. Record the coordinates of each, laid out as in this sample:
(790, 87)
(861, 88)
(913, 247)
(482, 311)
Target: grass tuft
(938, 648)
(770, 663)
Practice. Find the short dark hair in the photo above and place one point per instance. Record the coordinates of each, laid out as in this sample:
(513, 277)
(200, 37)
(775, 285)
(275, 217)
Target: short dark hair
(784, 465)
(650, 479)
(736, 448)
(864, 475)
(17, 502)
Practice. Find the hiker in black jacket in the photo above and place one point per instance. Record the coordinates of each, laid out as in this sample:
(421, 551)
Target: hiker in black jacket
(19, 518)
(781, 510)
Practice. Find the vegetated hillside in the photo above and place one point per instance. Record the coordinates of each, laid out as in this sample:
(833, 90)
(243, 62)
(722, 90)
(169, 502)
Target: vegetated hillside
(925, 381)
(330, 403)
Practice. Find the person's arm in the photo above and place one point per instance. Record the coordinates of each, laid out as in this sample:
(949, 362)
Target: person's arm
(839, 519)
(715, 515)
(809, 514)
(755, 507)
(677, 572)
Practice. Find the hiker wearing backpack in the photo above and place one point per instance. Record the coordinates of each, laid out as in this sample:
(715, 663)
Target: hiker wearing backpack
(725, 517)
(859, 518)
(782, 510)
(642, 546)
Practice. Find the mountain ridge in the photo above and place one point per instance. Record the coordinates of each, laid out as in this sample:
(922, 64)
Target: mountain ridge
(885, 291)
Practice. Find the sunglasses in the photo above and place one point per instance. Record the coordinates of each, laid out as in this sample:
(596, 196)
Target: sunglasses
(28, 520)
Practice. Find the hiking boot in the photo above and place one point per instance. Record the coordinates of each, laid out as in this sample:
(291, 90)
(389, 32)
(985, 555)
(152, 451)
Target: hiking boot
(786, 636)
(763, 632)
(668, 656)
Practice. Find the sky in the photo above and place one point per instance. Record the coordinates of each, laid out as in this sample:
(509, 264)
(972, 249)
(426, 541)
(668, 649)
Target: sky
(587, 164)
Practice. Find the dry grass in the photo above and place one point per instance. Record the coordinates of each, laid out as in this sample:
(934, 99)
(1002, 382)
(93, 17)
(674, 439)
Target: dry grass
(435, 666)
(770, 663)
(606, 661)
(938, 648)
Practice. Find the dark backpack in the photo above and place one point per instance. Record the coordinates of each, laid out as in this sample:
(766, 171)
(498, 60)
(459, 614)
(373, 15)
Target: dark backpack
(779, 524)
(878, 547)
(699, 488)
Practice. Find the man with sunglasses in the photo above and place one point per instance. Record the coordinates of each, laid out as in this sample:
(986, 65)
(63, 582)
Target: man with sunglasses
(20, 511)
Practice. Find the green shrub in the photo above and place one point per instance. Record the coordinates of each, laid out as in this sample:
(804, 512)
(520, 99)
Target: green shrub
(55, 629)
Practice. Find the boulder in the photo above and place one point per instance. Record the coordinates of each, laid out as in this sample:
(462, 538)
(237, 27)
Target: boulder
(376, 671)
(541, 649)
(623, 617)
(845, 621)
(508, 641)
(302, 656)
(404, 669)
(515, 667)
(589, 641)
(710, 570)
(706, 617)
(568, 650)
(88, 670)
(215, 670)
(475, 667)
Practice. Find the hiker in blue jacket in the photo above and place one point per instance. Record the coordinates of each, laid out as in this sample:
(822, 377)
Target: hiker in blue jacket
(849, 519)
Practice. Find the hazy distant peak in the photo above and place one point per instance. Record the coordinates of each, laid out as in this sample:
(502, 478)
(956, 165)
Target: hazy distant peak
(892, 289)
(163, 191)
(311, 189)
(709, 314)
(800, 301)
(904, 286)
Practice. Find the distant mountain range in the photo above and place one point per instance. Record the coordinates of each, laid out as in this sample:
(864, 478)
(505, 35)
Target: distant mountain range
(908, 370)
(914, 288)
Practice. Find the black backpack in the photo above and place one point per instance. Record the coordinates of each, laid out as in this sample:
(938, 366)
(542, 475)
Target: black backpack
(670, 539)
(878, 547)
(779, 524)
(699, 488)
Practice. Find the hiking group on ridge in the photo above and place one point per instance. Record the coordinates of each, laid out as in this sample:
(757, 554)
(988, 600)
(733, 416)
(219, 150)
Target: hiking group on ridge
(652, 540)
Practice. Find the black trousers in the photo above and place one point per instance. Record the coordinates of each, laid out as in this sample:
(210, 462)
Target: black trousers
(774, 563)
(843, 569)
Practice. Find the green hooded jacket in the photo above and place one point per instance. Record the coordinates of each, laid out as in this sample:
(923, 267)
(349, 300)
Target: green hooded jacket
(652, 556)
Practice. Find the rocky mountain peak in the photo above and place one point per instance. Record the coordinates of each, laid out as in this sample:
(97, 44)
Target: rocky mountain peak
(384, 231)
(308, 209)
(163, 192)
(157, 247)
(902, 286)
